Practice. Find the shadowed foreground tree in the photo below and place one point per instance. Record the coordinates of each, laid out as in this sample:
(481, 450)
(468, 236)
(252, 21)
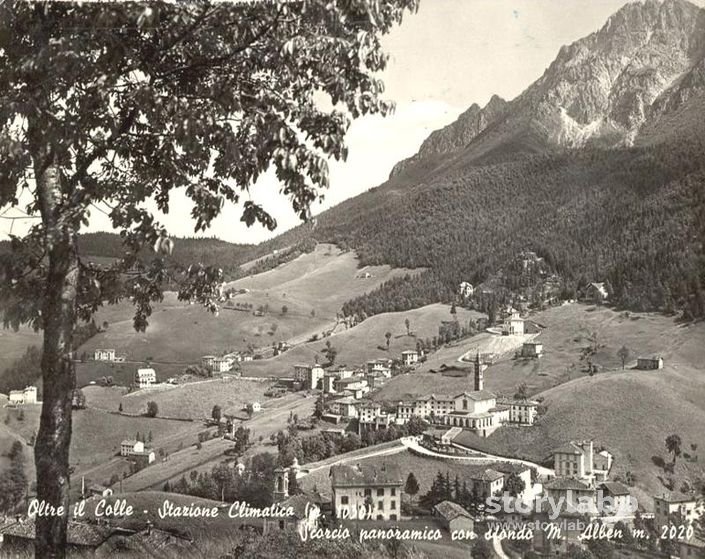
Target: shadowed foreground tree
(113, 107)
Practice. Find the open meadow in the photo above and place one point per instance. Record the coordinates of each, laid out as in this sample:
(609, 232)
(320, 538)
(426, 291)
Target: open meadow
(193, 400)
(299, 299)
(365, 341)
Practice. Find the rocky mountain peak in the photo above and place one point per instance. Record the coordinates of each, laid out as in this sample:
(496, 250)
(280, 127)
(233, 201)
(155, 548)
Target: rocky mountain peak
(647, 59)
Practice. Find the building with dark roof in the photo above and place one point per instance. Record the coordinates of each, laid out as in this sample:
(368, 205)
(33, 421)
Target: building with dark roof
(453, 517)
(17, 538)
(685, 509)
(572, 495)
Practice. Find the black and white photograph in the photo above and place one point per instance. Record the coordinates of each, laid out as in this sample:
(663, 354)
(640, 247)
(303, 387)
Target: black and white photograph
(329, 279)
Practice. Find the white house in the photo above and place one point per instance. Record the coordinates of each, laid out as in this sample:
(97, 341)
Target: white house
(409, 357)
(383, 366)
(523, 412)
(131, 448)
(513, 325)
(354, 384)
(256, 406)
(104, 355)
(309, 375)
(145, 377)
(672, 508)
(26, 396)
(345, 407)
(579, 460)
(370, 491)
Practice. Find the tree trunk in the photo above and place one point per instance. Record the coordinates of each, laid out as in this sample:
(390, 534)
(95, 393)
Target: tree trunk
(51, 452)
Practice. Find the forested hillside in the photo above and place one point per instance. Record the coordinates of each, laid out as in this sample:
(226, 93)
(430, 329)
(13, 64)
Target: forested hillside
(634, 217)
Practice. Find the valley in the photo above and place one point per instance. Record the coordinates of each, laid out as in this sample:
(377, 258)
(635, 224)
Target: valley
(516, 311)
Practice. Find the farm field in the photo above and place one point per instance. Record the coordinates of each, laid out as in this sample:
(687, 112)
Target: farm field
(364, 341)
(189, 401)
(313, 287)
(263, 424)
(98, 434)
(567, 332)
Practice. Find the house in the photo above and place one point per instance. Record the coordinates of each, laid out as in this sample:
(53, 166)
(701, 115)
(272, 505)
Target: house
(513, 325)
(21, 397)
(222, 364)
(466, 290)
(595, 293)
(353, 384)
(104, 355)
(371, 416)
(328, 383)
(486, 482)
(578, 460)
(572, 495)
(255, 406)
(332, 375)
(383, 366)
(409, 357)
(523, 412)
(131, 448)
(440, 438)
(309, 375)
(431, 407)
(676, 509)
(370, 491)
(145, 377)
(345, 407)
(623, 503)
(453, 517)
(531, 350)
(649, 363)
(340, 371)
(368, 412)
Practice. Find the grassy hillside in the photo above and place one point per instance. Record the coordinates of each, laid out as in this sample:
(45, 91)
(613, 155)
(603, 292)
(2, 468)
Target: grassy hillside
(313, 287)
(188, 401)
(567, 332)
(364, 341)
(98, 435)
(466, 221)
(630, 412)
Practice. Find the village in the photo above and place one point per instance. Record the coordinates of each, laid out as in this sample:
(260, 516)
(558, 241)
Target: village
(573, 487)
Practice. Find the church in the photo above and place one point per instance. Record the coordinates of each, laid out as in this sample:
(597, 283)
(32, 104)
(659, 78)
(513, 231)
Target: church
(478, 410)
(475, 410)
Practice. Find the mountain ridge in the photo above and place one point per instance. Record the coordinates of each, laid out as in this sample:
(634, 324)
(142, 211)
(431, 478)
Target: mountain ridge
(646, 62)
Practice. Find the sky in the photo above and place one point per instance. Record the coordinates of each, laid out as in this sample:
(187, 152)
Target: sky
(449, 55)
